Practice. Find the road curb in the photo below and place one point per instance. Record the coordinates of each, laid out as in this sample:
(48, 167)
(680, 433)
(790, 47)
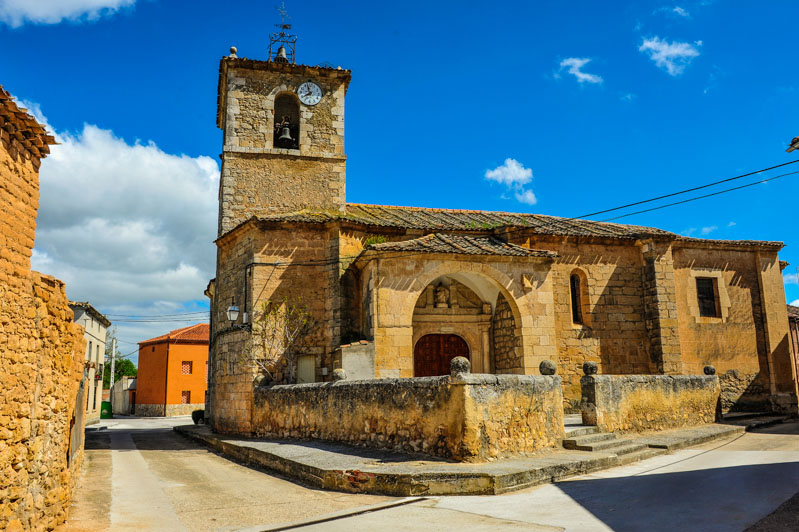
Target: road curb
(337, 467)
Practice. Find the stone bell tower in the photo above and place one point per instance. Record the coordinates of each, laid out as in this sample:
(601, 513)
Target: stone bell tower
(283, 141)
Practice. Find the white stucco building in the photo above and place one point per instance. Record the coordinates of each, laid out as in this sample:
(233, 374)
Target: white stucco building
(95, 326)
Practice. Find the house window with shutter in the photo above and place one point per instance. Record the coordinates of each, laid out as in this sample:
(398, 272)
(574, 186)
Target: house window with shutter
(707, 296)
(185, 367)
(185, 397)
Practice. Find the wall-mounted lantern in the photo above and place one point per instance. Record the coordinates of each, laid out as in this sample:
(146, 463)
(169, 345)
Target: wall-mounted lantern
(232, 311)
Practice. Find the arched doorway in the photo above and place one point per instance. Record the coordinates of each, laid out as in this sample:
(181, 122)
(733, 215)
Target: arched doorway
(434, 352)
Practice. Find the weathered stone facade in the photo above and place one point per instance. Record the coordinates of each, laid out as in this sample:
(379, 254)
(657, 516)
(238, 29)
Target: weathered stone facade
(637, 403)
(41, 349)
(376, 273)
(465, 417)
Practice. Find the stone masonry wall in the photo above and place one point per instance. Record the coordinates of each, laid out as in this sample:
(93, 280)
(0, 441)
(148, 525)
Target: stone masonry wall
(258, 179)
(41, 361)
(622, 403)
(504, 337)
(291, 262)
(466, 418)
(733, 342)
(613, 333)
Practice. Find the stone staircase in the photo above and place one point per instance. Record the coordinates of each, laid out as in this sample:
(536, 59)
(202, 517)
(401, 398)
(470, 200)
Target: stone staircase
(588, 438)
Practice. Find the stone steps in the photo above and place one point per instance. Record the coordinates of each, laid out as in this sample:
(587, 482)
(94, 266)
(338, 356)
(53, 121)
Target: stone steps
(605, 442)
(580, 430)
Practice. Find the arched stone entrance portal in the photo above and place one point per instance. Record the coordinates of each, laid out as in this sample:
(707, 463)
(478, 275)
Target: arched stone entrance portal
(434, 352)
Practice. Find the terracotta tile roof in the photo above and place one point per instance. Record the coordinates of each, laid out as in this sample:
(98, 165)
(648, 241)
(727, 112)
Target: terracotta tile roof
(793, 312)
(196, 334)
(461, 244)
(467, 220)
(23, 127)
(735, 243)
(430, 219)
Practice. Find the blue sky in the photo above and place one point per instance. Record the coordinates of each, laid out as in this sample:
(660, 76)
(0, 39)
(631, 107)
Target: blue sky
(596, 104)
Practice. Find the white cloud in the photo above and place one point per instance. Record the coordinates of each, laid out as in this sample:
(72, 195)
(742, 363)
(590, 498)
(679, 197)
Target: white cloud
(673, 57)
(127, 226)
(688, 232)
(794, 303)
(790, 278)
(731, 224)
(575, 65)
(628, 97)
(514, 176)
(526, 196)
(15, 13)
(676, 11)
(680, 12)
(709, 229)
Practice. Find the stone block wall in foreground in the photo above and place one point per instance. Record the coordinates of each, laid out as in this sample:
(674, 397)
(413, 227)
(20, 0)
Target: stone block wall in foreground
(622, 403)
(465, 417)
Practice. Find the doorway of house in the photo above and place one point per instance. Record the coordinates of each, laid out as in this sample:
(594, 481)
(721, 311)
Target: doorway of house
(434, 352)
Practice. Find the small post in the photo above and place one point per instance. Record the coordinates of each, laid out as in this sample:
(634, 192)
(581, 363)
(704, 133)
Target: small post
(111, 385)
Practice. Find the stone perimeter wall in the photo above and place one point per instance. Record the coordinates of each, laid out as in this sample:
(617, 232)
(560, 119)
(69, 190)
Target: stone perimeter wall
(622, 403)
(471, 418)
(41, 362)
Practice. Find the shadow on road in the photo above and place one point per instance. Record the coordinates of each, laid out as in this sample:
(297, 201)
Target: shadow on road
(705, 499)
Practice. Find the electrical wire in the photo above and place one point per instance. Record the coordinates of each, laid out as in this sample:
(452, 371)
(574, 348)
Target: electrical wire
(702, 196)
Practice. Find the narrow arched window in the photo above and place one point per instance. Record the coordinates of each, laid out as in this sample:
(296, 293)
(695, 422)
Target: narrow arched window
(577, 313)
(287, 122)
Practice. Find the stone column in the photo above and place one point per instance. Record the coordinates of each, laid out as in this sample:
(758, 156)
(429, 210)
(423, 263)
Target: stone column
(660, 304)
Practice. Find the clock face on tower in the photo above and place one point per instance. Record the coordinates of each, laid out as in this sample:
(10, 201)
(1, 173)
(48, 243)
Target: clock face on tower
(309, 93)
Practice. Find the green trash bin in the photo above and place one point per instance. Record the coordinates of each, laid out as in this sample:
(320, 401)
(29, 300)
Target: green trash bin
(105, 410)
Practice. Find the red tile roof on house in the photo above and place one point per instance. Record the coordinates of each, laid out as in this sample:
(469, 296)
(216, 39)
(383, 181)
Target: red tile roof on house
(193, 334)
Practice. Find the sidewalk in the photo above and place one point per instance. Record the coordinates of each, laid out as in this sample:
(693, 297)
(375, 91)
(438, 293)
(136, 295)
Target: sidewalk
(351, 469)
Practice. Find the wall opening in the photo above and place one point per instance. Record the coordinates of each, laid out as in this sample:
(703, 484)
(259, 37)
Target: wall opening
(287, 122)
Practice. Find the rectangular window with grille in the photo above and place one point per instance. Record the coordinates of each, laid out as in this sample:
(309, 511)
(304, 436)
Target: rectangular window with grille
(185, 367)
(706, 294)
(185, 397)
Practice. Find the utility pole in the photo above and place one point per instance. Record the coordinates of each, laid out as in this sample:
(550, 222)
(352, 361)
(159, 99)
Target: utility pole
(113, 361)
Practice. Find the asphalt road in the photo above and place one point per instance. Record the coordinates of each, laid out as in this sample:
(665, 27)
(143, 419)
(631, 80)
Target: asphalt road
(139, 475)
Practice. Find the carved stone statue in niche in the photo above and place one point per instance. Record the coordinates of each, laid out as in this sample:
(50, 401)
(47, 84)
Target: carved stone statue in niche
(442, 296)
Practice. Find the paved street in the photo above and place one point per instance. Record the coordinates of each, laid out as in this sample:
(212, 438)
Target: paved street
(162, 482)
(141, 476)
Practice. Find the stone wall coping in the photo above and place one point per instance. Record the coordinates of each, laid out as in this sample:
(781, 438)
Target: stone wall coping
(649, 378)
(471, 379)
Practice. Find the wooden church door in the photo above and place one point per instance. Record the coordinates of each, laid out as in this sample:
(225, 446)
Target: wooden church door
(434, 352)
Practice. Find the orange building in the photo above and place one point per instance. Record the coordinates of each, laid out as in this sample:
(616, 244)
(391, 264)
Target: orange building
(173, 372)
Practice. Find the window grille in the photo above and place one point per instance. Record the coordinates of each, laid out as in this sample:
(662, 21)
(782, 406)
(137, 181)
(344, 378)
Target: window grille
(185, 367)
(185, 397)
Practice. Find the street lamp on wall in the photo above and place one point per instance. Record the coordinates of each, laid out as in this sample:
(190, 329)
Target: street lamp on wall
(232, 311)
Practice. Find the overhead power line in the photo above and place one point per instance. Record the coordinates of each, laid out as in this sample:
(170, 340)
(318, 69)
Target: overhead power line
(157, 315)
(701, 197)
(684, 192)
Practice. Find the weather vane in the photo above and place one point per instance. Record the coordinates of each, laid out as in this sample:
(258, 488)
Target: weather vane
(284, 16)
(286, 41)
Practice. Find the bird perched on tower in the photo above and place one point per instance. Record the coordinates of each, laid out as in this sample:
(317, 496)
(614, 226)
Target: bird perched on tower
(794, 145)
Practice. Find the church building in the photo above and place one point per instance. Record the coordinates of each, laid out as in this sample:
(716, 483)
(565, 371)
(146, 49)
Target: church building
(397, 292)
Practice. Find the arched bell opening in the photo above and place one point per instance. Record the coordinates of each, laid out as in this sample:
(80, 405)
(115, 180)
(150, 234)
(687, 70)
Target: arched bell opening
(452, 318)
(287, 122)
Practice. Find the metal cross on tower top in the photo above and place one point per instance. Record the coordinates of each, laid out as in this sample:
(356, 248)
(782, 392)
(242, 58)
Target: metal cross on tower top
(284, 53)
